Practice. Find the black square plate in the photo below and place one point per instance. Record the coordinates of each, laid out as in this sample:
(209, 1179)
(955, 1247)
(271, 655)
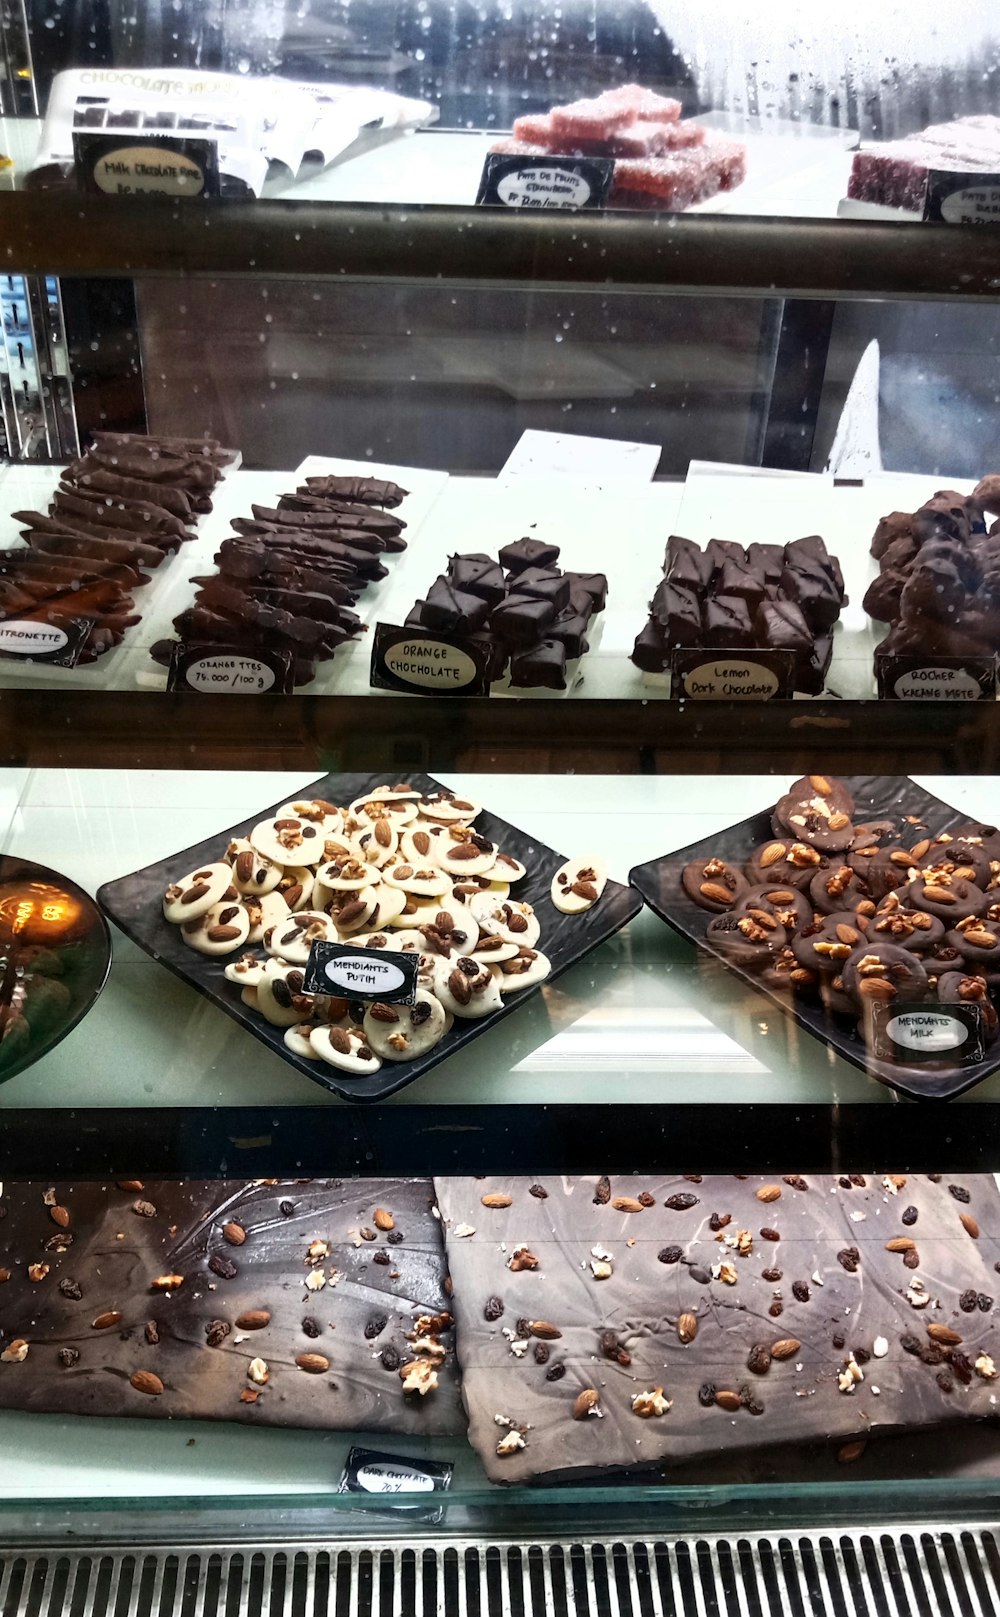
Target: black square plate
(134, 904)
(876, 797)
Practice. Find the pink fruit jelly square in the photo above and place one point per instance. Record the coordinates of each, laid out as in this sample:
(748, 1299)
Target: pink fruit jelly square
(655, 140)
(536, 128)
(590, 120)
(646, 104)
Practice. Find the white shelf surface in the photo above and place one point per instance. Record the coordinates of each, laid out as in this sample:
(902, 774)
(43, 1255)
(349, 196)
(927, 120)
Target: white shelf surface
(641, 1019)
(620, 528)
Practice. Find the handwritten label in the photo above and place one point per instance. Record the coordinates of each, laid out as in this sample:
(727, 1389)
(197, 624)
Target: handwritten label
(117, 164)
(423, 660)
(372, 1472)
(732, 675)
(510, 181)
(29, 640)
(375, 974)
(946, 679)
(218, 672)
(967, 198)
(919, 1032)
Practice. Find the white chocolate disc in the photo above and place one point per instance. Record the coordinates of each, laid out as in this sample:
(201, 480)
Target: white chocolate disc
(444, 808)
(590, 872)
(420, 844)
(465, 858)
(378, 844)
(345, 914)
(415, 912)
(480, 986)
(402, 1038)
(391, 901)
(528, 967)
(327, 817)
(348, 1060)
(263, 876)
(343, 875)
(485, 901)
(207, 884)
(297, 1039)
(301, 877)
(264, 913)
(272, 1006)
(247, 971)
(512, 921)
(424, 881)
(287, 840)
(230, 922)
(294, 937)
(249, 998)
(507, 868)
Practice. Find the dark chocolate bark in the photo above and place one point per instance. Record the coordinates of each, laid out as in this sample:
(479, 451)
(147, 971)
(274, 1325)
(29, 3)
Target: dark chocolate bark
(242, 1252)
(832, 1291)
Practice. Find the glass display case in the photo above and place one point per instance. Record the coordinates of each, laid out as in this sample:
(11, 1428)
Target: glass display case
(499, 781)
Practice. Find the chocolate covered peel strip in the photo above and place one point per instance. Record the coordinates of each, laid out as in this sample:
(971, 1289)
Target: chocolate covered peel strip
(120, 508)
(288, 576)
(274, 1303)
(582, 1302)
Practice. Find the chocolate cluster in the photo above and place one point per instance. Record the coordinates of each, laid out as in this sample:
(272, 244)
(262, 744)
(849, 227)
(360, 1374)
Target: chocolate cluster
(118, 512)
(858, 914)
(530, 617)
(727, 598)
(289, 575)
(939, 576)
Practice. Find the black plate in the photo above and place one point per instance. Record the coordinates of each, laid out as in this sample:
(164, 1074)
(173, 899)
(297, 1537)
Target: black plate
(134, 903)
(877, 797)
(83, 951)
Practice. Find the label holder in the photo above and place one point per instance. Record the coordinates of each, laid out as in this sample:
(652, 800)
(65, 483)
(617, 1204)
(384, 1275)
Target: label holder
(918, 677)
(569, 183)
(119, 155)
(230, 670)
(922, 1020)
(71, 634)
(386, 975)
(722, 669)
(962, 197)
(438, 664)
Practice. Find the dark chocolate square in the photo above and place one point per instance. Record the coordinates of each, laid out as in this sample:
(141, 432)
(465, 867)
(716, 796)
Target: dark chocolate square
(547, 583)
(725, 622)
(478, 575)
(541, 665)
(521, 620)
(571, 628)
(678, 614)
(453, 610)
(528, 553)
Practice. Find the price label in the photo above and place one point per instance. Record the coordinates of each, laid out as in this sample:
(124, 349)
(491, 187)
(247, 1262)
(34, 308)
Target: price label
(122, 164)
(218, 672)
(31, 641)
(374, 1472)
(939, 679)
(387, 975)
(968, 198)
(420, 660)
(949, 1034)
(509, 181)
(757, 676)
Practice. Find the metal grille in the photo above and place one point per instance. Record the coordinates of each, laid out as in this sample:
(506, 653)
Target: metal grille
(934, 1572)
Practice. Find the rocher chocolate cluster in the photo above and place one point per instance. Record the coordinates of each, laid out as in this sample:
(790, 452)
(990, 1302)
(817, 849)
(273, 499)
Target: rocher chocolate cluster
(939, 576)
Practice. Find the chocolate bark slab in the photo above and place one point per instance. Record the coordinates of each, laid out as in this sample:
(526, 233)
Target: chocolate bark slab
(668, 1316)
(105, 1244)
(895, 800)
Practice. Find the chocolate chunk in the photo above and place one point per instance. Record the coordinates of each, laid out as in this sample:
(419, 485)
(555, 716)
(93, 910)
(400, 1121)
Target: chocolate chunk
(452, 610)
(725, 623)
(650, 654)
(478, 575)
(670, 1254)
(540, 666)
(547, 583)
(521, 620)
(514, 558)
(681, 1200)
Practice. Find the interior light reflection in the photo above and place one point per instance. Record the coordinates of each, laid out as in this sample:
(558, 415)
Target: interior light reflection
(665, 1039)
